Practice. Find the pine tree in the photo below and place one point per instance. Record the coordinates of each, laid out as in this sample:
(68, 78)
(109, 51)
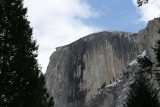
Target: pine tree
(21, 82)
(141, 2)
(157, 50)
(142, 94)
(145, 64)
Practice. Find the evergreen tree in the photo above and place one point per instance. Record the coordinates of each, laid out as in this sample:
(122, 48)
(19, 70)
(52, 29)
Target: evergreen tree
(21, 82)
(141, 2)
(145, 64)
(142, 94)
(157, 51)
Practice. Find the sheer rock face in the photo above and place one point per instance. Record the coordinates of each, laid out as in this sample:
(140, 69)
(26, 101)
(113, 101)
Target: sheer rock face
(76, 72)
(115, 94)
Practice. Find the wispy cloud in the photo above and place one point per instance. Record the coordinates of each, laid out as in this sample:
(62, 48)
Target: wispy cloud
(149, 11)
(57, 23)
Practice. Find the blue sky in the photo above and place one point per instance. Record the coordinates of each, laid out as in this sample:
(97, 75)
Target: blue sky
(115, 15)
(59, 22)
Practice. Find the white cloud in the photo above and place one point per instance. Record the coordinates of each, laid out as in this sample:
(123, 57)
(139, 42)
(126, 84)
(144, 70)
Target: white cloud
(57, 23)
(149, 11)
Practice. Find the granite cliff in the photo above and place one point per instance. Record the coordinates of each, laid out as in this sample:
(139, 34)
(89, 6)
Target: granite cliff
(77, 72)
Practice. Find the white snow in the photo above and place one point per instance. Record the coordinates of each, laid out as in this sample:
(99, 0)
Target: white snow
(144, 53)
(99, 92)
(133, 62)
(111, 85)
(114, 84)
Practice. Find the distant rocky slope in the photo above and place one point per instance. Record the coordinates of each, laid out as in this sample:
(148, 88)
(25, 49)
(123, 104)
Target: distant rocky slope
(77, 72)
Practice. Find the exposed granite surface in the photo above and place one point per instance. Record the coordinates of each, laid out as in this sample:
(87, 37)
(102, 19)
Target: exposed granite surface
(77, 71)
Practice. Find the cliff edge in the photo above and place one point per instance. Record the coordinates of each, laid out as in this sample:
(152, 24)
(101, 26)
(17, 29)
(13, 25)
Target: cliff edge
(76, 72)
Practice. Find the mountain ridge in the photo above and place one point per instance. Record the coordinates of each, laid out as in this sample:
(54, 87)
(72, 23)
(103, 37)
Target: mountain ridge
(78, 70)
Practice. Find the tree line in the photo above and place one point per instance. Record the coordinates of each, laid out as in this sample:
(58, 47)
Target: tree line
(142, 92)
(22, 83)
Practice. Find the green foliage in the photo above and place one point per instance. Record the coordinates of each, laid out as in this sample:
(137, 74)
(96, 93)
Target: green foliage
(21, 81)
(103, 85)
(157, 51)
(141, 2)
(145, 63)
(142, 94)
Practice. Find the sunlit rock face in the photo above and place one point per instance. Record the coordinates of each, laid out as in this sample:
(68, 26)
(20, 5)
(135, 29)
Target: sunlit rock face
(115, 94)
(77, 72)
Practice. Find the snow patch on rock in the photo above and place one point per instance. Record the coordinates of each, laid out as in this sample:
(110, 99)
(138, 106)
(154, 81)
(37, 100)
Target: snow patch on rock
(133, 67)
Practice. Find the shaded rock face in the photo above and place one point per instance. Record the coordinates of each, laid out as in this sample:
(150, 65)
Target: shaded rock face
(76, 72)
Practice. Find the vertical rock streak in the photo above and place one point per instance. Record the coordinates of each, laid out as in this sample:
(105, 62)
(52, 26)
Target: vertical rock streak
(76, 72)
